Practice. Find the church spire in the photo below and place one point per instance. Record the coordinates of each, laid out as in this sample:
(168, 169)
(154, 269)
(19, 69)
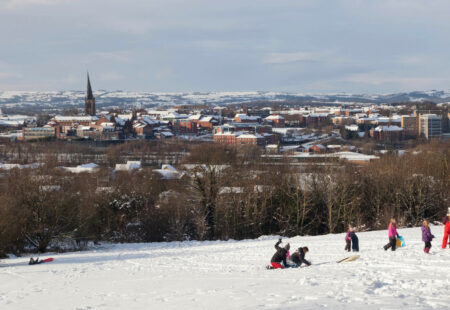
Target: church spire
(89, 94)
(89, 101)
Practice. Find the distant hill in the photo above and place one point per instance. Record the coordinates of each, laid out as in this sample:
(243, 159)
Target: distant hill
(56, 100)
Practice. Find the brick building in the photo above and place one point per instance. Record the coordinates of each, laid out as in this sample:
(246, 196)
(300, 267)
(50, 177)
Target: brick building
(277, 121)
(389, 133)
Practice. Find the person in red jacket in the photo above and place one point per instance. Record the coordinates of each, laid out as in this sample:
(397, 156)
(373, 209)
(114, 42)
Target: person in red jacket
(445, 241)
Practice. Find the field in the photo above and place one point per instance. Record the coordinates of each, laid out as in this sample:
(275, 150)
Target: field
(232, 275)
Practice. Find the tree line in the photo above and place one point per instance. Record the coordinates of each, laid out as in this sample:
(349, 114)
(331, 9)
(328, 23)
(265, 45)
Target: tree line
(221, 193)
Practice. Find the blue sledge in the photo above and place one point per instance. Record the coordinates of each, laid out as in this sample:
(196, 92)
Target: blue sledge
(400, 242)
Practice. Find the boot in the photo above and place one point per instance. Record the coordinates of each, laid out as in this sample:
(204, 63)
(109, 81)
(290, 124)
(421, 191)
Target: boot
(427, 250)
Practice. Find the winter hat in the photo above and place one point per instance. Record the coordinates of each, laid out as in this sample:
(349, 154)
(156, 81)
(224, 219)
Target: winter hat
(287, 247)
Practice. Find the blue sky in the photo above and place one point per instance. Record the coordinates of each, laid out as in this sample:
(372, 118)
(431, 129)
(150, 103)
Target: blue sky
(319, 46)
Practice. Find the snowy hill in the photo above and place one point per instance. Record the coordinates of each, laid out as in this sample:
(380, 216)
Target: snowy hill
(67, 99)
(232, 275)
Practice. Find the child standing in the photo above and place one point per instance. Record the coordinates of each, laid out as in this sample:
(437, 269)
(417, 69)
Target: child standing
(445, 240)
(355, 241)
(393, 234)
(351, 240)
(426, 236)
(348, 238)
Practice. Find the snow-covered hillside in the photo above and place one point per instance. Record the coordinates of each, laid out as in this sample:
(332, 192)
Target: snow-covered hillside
(232, 275)
(66, 99)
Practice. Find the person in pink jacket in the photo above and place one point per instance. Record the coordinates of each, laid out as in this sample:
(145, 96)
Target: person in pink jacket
(348, 238)
(393, 234)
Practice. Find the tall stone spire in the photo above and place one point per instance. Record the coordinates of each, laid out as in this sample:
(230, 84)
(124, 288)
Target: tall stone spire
(89, 100)
(89, 94)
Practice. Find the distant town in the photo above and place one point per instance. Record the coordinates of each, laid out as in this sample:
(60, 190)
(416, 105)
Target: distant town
(351, 131)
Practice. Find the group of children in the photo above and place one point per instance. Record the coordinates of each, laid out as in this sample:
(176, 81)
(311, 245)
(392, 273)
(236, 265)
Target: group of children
(283, 259)
(427, 236)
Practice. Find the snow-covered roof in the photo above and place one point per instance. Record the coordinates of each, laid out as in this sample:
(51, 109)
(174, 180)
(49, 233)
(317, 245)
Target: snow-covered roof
(208, 119)
(129, 166)
(91, 167)
(120, 121)
(230, 190)
(19, 166)
(75, 118)
(107, 124)
(334, 146)
(274, 117)
(167, 133)
(350, 156)
(149, 120)
(125, 117)
(247, 136)
(168, 172)
(246, 117)
(352, 127)
(394, 119)
(195, 117)
(272, 146)
(388, 128)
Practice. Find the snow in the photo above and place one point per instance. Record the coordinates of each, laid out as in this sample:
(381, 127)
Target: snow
(274, 117)
(76, 118)
(168, 172)
(388, 128)
(129, 166)
(232, 275)
(90, 167)
(12, 166)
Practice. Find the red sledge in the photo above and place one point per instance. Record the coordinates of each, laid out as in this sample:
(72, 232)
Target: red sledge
(40, 261)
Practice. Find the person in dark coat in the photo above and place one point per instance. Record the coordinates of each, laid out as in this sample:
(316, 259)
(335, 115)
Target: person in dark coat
(427, 236)
(355, 241)
(298, 258)
(279, 256)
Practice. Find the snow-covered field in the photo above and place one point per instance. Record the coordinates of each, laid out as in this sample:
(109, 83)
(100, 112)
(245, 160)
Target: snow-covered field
(232, 275)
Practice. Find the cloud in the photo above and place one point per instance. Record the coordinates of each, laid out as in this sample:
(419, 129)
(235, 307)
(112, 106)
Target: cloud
(12, 4)
(411, 60)
(116, 56)
(396, 81)
(7, 72)
(284, 58)
(111, 76)
(9, 75)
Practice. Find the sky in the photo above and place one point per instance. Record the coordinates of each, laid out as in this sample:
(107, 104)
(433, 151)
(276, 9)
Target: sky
(316, 46)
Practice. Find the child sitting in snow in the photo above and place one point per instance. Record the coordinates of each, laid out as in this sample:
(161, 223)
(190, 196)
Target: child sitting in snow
(280, 256)
(426, 236)
(298, 258)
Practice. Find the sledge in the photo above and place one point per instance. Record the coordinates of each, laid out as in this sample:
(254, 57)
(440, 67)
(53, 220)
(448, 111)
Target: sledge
(400, 242)
(40, 261)
(348, 259)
